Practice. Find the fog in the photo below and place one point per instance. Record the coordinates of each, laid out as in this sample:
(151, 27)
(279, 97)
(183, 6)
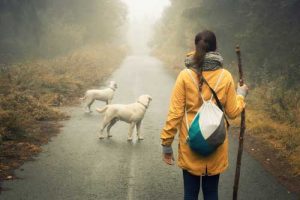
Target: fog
(52, 51)
(142, 16)
(50, 28)
(33, 28)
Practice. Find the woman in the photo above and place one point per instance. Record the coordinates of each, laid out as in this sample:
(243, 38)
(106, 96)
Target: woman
(206, 62)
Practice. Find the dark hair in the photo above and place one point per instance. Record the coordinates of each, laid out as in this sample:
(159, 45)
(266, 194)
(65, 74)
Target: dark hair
(205, 41)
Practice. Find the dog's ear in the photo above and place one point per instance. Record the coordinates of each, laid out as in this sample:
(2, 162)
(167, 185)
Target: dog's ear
(149, 98)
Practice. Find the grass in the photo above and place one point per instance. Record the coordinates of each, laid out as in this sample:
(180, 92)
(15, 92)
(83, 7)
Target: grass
(31, 93)
(283, 134)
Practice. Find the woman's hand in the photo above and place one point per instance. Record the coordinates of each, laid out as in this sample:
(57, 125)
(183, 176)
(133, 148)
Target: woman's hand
(168, 158)
(242, 90)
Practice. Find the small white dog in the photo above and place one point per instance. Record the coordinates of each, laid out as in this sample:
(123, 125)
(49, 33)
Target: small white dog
(130, 113)
(101, 95)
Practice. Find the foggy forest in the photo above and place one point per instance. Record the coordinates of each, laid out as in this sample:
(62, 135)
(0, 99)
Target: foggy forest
(53, 51)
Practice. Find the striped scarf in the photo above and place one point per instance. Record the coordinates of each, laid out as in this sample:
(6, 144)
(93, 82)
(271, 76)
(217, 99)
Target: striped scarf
(212, 61)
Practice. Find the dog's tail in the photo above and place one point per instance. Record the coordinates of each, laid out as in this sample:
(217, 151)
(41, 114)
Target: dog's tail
(101, 110)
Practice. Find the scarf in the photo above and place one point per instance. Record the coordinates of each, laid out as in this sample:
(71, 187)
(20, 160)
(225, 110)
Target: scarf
(212, 61)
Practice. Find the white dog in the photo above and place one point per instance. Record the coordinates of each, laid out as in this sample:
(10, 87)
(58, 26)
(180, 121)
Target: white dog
(101, 95)
(130, 113)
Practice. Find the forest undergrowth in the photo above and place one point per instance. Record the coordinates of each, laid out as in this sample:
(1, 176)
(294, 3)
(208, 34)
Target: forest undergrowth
(32, 92)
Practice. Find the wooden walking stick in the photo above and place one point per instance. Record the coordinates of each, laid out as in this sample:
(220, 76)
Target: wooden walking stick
(242, 131)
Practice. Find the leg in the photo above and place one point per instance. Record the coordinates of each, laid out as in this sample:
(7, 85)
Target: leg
(138, 130)
(113, 121)
(130, 131)
(191, 185)
(210, 187)
(105, 122)
(86, 105)
(89, 104)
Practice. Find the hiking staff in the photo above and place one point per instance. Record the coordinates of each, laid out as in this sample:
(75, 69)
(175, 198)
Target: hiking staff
(242, 131)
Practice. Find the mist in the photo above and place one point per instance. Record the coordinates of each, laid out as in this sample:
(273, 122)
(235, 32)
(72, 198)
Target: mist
(48, 28)
(53, 52)
(141, 18)
(32, 28)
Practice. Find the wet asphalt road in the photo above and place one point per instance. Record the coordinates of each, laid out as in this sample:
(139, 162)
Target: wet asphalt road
(77, 165)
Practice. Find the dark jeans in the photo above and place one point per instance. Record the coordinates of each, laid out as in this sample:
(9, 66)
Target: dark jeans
(192, 186)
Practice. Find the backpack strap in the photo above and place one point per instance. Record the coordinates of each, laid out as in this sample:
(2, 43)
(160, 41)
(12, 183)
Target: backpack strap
(218, 82)
(186, 119)
(185, 111)
(217, 100)
(213, 95)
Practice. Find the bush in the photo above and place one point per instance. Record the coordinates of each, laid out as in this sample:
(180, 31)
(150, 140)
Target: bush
(30, 91)
(20, 114)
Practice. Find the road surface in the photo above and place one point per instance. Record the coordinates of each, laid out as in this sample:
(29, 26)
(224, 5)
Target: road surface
(77, 165)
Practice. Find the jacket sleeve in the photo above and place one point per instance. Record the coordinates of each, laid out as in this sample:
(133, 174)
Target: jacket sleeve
(176, 112)
(234, 103)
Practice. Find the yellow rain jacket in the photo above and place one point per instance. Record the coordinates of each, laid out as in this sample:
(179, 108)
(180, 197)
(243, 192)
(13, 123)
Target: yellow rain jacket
(185, 93)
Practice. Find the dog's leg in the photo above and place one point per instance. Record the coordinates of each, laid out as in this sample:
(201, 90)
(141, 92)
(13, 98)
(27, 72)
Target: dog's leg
(104, 124)
(85, 106)
(132, 125)
(138, 130)
(108, 101)
(89, 104)
(110, 125)
(100, 135)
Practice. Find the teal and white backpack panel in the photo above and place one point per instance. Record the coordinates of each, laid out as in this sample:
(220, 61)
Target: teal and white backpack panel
(207, 130)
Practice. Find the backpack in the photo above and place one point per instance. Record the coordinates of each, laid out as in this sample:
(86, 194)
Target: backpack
(207, 131)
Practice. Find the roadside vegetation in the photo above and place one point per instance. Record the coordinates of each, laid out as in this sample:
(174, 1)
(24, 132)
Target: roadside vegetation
(51, 52)
(269, 35)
